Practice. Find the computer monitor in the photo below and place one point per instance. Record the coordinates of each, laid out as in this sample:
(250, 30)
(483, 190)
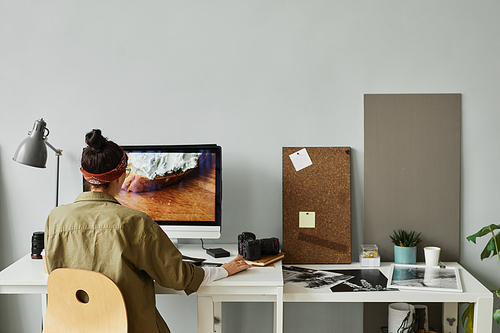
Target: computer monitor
(180, 187)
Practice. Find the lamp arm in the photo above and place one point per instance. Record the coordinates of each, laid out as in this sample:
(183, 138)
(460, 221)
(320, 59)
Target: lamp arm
(57, 151)
(58, 154)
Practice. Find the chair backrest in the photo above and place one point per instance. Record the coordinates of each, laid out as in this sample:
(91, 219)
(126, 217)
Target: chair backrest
(83, 301)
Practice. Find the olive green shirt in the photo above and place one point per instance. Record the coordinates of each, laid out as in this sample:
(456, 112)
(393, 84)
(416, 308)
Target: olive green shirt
(97, 233)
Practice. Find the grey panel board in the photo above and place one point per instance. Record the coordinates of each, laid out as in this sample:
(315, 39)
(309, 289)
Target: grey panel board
(412, 152)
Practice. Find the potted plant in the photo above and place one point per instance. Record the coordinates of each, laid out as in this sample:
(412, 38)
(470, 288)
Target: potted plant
(405, 246)
(490, 250)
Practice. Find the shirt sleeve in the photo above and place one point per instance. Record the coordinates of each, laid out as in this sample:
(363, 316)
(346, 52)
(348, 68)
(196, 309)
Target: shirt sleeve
(162, 261)
(212, 274)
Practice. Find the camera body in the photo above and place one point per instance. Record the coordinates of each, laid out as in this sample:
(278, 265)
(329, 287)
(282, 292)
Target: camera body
(251, 248)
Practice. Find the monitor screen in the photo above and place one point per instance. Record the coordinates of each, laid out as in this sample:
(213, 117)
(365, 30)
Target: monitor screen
(180, 187)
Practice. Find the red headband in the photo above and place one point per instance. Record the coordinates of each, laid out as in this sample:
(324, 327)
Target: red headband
(107, 177)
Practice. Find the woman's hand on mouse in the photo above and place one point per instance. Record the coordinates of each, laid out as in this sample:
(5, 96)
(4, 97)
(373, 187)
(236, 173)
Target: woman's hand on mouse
(236, 265)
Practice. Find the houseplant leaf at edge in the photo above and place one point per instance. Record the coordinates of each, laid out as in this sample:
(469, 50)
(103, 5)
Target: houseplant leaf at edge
(492, 246)
(489, 250)
(484, 231)
(469, 316)
(496, 313)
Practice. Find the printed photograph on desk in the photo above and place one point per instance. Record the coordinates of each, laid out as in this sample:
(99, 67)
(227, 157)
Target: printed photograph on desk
(311, 278)
(363, 280)
(428, 278)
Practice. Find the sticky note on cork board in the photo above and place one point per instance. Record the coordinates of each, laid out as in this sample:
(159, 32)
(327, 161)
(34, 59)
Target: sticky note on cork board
(300, 159)
(307, 220)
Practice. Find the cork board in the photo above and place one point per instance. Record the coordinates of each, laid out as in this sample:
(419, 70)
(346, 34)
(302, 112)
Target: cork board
(322, 188)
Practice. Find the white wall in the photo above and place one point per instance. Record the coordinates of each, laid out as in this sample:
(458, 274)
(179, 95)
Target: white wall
(252, 76)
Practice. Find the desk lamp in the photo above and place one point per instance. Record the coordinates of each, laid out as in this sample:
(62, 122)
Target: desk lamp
(33, 151)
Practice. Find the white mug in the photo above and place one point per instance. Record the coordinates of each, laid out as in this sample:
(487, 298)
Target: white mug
(401, 317)
(431, 254)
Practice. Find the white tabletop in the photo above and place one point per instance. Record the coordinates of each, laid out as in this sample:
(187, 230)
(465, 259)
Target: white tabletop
(26, 276)
(252, 278)
(472, 289)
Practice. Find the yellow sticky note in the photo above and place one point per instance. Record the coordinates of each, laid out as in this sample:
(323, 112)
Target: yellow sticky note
(307, 220)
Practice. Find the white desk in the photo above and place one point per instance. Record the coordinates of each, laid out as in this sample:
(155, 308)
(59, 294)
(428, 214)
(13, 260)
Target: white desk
(265, 284)
(26, 276)
(257, 284)
(473, 292)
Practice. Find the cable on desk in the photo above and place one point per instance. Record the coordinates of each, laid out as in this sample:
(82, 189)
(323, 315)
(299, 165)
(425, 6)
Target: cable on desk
(215, 252)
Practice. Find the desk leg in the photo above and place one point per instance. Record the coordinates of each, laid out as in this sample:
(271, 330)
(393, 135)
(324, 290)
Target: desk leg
(205, 314)
(44, 309)
(278, 311)
(450, 317)
(217, 317)
(483, 315)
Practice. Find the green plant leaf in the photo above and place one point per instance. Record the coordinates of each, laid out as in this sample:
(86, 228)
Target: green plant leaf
(402, 238)
(496, 315)
(484, 231)
(490, 246)
(490, 249)
(468, 316)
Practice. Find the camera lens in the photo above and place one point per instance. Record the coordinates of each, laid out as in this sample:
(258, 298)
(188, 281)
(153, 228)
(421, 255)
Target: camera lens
(37, 245)
(269, 246)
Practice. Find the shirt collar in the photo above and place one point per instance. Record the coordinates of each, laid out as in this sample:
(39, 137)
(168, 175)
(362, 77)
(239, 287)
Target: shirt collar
(96, 196)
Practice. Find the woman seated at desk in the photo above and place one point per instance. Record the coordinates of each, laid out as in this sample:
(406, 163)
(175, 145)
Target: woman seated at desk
(97, 233)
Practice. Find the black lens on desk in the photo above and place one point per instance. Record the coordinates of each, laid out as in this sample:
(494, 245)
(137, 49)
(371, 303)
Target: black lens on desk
(37, 245)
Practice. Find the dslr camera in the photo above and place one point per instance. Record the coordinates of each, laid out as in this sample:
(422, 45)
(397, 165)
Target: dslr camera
(251, 248)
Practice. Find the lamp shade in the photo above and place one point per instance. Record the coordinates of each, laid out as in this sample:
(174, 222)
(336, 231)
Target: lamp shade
(32, 151)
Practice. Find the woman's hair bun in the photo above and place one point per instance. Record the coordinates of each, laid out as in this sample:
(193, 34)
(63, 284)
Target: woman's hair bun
(94, 139)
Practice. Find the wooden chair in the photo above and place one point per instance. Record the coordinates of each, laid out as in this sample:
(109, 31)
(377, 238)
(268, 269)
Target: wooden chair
(83, 301)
